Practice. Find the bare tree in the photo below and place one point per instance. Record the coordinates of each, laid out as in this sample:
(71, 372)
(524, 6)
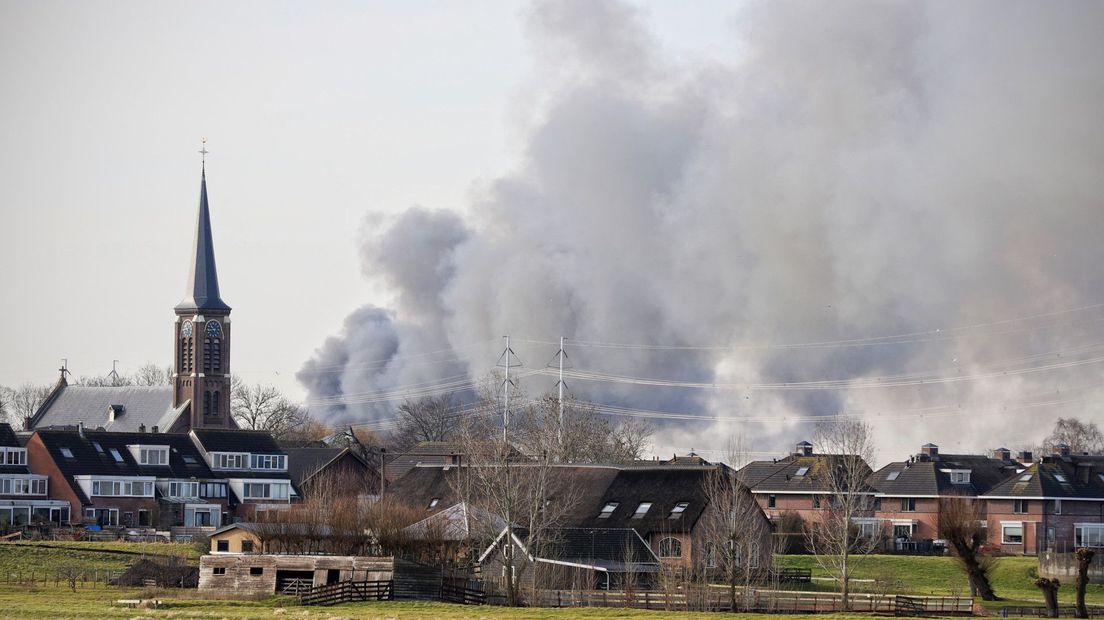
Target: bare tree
(578, 434)
(26, 399)
(1079, 436)
(961, 522)
(1050, 594)
(835, 539)
(1084, 561)
(430, 418)
(736, 531)
(150, 374)
(263, 407)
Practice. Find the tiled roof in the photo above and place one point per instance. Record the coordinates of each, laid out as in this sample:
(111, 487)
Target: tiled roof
(794, 474)
(1064, 478)
(254, 442)
(7, 436)
(142, 405)
(424, 453)
(663, 488)
(923, 477)
(303, 463)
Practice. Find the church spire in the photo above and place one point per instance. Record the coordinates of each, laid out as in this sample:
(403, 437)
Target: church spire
(202, 293)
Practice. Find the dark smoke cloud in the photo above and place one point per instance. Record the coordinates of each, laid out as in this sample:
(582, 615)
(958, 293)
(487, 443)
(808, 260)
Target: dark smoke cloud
(859, 169)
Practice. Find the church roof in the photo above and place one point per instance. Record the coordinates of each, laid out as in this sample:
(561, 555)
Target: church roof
(202, 293)
(69, 405)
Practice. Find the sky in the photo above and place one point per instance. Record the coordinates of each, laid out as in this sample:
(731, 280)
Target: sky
(757, 213)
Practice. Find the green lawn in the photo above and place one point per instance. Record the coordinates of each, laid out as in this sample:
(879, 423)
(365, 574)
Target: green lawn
(1012, 579)
(22, 558)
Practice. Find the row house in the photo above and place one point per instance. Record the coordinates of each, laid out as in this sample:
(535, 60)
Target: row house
(1055, 503)
(152, 480)
(254, 467)
(24, 496)
(908, 493)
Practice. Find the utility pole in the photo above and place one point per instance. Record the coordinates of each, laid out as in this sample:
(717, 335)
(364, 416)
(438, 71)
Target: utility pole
(506, 360)
(114, 374)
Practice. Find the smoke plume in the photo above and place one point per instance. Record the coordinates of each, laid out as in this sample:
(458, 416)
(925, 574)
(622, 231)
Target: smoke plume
(926, 172)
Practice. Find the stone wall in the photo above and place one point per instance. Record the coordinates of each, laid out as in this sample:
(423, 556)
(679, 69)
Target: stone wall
(1064, 566)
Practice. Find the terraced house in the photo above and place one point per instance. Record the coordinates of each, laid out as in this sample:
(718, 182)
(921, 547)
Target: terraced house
(253, 466)
(24, 496)
(1056, 503)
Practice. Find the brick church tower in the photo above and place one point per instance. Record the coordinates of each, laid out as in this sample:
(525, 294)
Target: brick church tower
(202, 334)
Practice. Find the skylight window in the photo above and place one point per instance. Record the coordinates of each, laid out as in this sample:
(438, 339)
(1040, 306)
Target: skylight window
(677, 511)
(189, 459)
(1060, 477)
(115, 455)
(1101, 476)
(97, 446)
(1025, 477)
(802, 471)
(433, 502)
(893, 475)
(67, 453)
(607, 510)
(642, 510)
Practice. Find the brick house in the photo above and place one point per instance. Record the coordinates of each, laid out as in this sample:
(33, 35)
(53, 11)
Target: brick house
(154, 480)
(315, 467)
(24, 496)
(253, 465)
(908, 493)
(796, 484)
(1056, 503)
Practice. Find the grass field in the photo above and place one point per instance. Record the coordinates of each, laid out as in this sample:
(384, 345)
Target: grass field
(1013, 577)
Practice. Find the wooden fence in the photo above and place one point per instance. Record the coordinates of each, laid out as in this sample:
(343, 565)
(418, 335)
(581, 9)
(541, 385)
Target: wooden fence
(463, 591)
(349, 592)
(80, 579)
(1041, 612)
(759, 601)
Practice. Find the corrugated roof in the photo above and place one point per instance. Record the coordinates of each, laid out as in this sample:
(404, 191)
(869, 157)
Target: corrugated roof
(142, 405)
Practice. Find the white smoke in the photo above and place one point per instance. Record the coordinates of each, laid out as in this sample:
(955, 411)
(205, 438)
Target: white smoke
(862, 169)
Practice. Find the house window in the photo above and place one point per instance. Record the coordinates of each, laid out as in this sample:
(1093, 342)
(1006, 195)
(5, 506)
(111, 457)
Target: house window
(960, 477)
(908, 504)
(218, 570)
(816, 501)
(802, 471)
(222, 545)
(1025, 477)
(670, 548)
(143, 517)
(268, 461)
(867, 529)
(772, 501)
(1057, 506)
(1088, 535)
(67, 453)
(153, 456)
(677, 511)
(1012, 534)
(893, 475)
(115, 455)
(256, 570)
(607, 510)
(1019, 506)
(877, 503)
(1060, 478)
(642, 510)
(97, 446)
(433, 502)
(247, 546)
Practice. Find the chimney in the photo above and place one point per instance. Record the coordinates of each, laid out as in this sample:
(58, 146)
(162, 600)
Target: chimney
(1024, 457)
(1002, 454)
(929, 450)
(804, 448)
(141, 428)
(27, 423)
(80, 428)
(1061, 449)
(155, 428)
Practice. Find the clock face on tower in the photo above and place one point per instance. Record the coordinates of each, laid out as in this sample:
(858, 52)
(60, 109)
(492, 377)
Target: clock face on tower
(214, 330)
(186, 329)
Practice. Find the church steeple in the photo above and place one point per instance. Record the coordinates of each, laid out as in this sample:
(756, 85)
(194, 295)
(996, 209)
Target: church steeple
(202, 293)
(202, 334)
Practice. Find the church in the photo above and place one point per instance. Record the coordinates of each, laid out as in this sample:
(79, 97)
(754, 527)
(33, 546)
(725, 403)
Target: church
(199, 397)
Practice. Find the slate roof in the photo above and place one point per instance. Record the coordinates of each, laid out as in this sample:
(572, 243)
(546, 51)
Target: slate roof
(234, 440)
(782, 476)
(7, 436)
(1058, 477)
(607, 548)
(424, 453)
(202, 292)
(69, 405)
(89, 460)
(663, 488)
(924, 478)
(304, 463)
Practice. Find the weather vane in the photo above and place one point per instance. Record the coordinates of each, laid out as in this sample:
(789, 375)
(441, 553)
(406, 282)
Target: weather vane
(203, 153)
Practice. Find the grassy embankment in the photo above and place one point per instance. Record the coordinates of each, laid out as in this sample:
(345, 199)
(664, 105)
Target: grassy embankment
(1013, 578)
